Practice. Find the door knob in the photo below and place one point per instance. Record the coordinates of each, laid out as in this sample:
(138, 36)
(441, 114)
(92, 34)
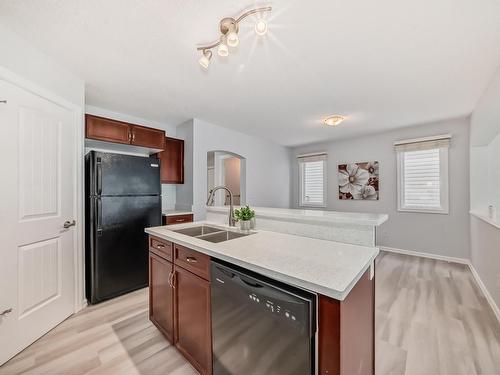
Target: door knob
(6, 312)
(68, 224)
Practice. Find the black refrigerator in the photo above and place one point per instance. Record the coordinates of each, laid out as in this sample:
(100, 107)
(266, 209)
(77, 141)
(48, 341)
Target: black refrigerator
(123, 196)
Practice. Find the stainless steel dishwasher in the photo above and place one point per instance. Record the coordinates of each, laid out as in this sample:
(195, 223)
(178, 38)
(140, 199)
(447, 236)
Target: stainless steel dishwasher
(260, 326)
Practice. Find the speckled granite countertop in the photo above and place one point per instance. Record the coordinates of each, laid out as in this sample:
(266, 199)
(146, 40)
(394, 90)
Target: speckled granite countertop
(325, 267)
(306, 216)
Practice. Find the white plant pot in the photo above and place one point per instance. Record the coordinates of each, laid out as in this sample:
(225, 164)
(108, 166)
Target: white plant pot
(245, 224)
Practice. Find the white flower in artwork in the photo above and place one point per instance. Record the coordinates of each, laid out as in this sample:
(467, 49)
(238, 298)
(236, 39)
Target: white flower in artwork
(372, 168)
(366, 192)
(353, 179)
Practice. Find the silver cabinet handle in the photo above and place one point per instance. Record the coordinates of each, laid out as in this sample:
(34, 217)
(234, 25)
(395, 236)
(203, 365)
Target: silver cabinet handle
(191, 260)
(68, 224)
(173, 279)
(6, 312)
(160, 246)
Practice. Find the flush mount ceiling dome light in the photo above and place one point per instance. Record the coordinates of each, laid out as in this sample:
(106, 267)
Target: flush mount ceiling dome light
(333, 120)
(229, 28)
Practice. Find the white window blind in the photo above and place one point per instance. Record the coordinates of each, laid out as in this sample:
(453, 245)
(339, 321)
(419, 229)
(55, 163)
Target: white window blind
(423, 174)
(312, 180)
(422, 179)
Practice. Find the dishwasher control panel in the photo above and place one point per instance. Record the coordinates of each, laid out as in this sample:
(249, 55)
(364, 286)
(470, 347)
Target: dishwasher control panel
(273, 307)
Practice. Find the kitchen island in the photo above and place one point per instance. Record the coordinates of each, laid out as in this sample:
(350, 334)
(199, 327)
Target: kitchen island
(339, 275)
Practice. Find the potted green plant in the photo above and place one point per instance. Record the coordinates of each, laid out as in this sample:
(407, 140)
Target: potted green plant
(245, 215)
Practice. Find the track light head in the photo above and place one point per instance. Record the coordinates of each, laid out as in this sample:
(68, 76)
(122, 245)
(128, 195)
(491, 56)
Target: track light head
(261, 27)
(232, 39)
(205, 59)
(223, 51)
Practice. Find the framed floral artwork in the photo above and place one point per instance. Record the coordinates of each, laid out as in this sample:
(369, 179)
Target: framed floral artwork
(359, 181)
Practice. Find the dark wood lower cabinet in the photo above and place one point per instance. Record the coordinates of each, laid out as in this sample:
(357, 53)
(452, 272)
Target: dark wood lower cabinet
(193, 319)
(180, 306)
(161, 295)
(346, 337)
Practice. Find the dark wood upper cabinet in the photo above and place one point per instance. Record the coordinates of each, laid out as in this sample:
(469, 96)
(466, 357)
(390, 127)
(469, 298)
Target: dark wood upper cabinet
(103, 129)
(172, 161)
(147, 137)
(108, 130)
(193, 319)
(161, 295)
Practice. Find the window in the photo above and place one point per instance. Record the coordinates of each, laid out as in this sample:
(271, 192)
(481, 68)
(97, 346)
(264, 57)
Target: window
(423, 174)
(312, 171)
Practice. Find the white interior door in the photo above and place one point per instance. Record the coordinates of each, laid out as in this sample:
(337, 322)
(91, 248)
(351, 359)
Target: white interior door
(37, 271)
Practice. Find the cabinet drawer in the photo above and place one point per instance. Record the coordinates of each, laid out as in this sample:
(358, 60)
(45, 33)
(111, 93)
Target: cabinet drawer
(161, 248)
(178, 219)
(193, 261)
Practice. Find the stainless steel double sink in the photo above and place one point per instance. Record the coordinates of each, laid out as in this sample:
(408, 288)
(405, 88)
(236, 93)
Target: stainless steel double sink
(211, 234)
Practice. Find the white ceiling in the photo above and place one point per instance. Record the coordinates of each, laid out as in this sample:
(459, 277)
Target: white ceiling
(384, 64)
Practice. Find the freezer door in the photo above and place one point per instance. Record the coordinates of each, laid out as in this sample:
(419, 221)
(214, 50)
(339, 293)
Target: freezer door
(120, 252)
(116, 174)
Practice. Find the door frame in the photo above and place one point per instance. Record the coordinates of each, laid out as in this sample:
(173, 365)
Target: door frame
(78, 177)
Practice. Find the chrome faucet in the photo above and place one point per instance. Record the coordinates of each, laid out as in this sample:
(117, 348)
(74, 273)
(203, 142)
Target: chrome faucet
(210, 201)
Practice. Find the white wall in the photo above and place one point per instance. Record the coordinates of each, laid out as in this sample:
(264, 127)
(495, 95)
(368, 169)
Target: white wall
(184, 192)
(266, 163)
(21, 58)
(485, 187)
(446, 235)
(168, 191)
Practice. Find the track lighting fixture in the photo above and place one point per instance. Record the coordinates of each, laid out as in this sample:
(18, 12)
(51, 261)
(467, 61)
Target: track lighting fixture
(229, 28)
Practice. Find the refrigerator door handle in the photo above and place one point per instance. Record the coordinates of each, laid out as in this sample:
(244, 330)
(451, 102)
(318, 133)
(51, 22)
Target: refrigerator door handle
(99, 215)
(99, 176)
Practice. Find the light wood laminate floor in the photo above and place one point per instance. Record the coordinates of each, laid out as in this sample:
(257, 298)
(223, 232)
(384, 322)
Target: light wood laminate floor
(431, 320)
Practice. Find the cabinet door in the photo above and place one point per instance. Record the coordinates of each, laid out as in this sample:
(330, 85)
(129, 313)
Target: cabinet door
(148, 137)
(192, 319)
(161, 296)
(103, 129)
(172, 162)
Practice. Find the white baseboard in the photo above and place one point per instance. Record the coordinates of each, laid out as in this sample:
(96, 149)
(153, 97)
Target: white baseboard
(83, 305)
(425, 255)
(487, 294)
(477, 278)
